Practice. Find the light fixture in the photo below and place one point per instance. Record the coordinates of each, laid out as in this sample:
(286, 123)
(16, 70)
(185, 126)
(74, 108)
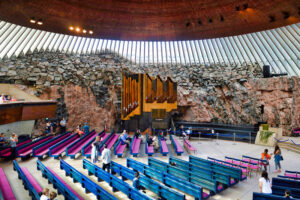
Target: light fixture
(199, 22)
(84, 31)
(245, 6)
(210, 20)
(32, 20)
(71, 28)
(40, 22)
(272, 18)
(237, 8)
(77, 29)
(187, 24)
(91, 32)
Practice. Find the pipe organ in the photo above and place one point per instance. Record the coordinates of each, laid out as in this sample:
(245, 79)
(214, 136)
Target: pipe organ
(146, 99)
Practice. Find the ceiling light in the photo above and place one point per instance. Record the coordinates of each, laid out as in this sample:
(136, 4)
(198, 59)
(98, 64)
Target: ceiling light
(187, 24)
(84, 31)
(237, 8)
(199, 22)
(77, 29)
(210, 20)
(71, 28)
(32, 20)
(245, 6)
(91, 32)
(40, 22)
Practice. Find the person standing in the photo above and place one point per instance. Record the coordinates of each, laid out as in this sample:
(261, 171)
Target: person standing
(277, 159)
(13, 145)
(94, 154)
(106, 158)
(265, 157)
(48, 126)
(265, 183)
(86, 128)
(2, 140)
(63, 124)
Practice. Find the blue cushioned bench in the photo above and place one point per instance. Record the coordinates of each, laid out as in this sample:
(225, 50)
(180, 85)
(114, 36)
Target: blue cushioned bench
(43, 149)
(233, 172)
(57, 150)
(211, 185)
(163, 146)
(135, 146)
(116, 183)
(6, 191)
(76, 147)
(149, 149)
(261, 196)
(279, 185)
(29, 185)
(119, 148)
(85, 182)
(61, 186)
(167, 179)
(176, 145)
(87, 148)
(220, 177)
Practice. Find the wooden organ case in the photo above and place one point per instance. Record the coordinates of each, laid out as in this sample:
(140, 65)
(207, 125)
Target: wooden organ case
(147, 101)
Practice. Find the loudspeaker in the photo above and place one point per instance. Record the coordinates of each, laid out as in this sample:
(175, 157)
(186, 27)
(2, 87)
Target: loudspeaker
(262, 109)
(266, 71)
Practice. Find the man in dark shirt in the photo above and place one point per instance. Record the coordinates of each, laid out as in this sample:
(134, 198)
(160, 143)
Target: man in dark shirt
(136, 182)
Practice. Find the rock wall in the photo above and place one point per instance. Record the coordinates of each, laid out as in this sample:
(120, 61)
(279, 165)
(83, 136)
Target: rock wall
(87, 88)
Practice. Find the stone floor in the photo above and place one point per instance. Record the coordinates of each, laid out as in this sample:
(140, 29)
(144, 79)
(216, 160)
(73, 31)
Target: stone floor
(217, 149)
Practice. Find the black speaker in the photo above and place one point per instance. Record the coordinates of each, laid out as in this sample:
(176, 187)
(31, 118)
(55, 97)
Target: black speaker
(266, 71)
(262, 109)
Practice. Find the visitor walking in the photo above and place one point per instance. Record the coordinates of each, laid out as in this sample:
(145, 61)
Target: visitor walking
(13, 145)
(277, 158)
(63, 124)
(265, 183)
(106, 158)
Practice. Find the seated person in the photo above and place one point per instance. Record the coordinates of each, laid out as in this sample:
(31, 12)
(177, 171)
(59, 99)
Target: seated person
(86, 128)
(138, 133)
(125, 139)
(152, 141)
(287, 194)
(161, 134)
(3, 141)
(136, 182)
(265, 157)
(79, 130)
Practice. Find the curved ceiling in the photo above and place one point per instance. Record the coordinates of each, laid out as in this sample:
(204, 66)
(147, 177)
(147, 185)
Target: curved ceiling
(152, 19)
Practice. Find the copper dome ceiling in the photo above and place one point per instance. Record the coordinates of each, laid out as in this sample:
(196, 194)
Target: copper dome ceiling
(152, 19)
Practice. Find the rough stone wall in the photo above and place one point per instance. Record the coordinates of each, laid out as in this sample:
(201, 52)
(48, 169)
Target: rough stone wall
(87, 88)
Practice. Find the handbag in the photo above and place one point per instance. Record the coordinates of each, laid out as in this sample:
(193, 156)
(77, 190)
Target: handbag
(281, 158)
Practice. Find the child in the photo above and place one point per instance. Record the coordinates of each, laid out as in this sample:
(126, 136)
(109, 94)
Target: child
(94, 155)
(53, 195)
(45, 194)
(265, 157)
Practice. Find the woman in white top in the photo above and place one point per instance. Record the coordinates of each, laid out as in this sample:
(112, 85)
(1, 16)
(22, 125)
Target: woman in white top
(265, 183)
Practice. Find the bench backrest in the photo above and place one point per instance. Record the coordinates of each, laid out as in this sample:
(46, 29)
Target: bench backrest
(233, 172)
(262, 196)
(63, 143)
(183, 174)
(79, 142)
(68, 194)
(166, 178)
(33, 193)
(49, 143)
(32, 144)
(88, 184)
(209, 173)
(106, 140)
(112, 180)
(286, 182)
(177, 147)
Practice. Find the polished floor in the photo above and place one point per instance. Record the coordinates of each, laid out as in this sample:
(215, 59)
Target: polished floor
(212, 148)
